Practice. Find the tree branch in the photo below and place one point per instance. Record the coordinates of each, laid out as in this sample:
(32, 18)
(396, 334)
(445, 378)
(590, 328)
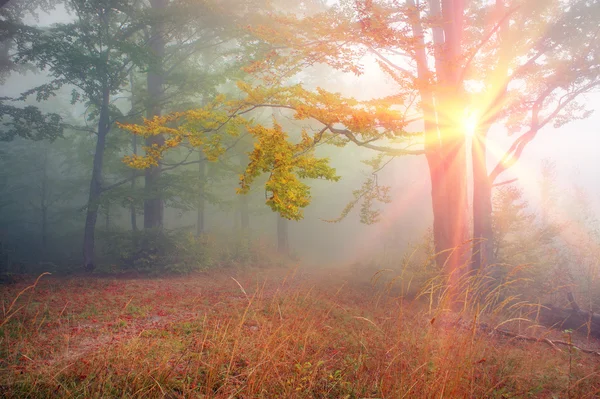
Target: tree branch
(404, 71)
(388, 150)
(485, 40)
(513, 154)
(505, 182)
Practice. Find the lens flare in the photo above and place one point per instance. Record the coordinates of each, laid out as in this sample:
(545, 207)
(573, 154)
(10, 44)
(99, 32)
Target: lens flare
(470, 122)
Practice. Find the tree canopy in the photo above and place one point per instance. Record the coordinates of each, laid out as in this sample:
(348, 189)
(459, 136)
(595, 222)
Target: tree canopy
(517, 64)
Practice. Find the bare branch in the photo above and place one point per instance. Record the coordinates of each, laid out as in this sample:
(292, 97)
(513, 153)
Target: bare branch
(404, 71)
(505, 182)
(513, 154)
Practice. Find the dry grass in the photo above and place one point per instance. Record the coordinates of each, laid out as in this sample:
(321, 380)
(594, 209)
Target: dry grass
(263, 334)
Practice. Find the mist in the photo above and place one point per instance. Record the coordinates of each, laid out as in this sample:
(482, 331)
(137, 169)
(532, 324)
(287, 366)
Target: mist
(333, 193)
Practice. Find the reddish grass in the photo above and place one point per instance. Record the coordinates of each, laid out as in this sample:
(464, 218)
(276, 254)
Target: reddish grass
(261, 334)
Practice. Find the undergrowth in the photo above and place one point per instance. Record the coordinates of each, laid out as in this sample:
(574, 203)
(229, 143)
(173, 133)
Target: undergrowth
(269, 334)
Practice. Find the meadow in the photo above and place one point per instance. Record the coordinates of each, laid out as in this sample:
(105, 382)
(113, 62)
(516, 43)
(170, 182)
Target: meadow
(268, 333)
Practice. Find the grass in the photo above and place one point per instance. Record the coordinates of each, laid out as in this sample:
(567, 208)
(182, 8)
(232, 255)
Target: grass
(262, 334)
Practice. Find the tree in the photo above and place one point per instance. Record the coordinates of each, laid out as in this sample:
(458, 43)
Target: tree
(201, 197)
(42, 187)
(190, 41)
(452, 64)
(153, 204)
(283, 242)
(92, 55)
(538, 58)
(18, 121)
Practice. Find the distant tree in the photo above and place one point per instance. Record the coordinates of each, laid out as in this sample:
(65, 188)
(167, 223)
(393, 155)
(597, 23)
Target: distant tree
(539, 58)
(548, 192)
(195, 49)
(283, 240)
(93, 56)
(525, 246)
(153, 204)
(17, 120)
(42, 185)
(200, 217)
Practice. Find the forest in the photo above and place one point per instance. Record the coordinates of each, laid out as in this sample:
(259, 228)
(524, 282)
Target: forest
(299, 199)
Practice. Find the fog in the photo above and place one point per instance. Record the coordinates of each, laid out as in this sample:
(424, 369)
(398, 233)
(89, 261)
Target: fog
(403, 221)
(299, 199)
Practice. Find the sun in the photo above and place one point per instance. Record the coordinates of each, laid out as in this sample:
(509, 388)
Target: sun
(470, 122)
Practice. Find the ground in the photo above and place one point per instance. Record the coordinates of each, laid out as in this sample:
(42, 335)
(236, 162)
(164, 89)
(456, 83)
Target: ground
(257, 333)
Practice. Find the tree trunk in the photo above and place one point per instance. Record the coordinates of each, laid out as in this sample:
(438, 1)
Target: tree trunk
(132, 210)
(450, 208)
(243, 202)
(201, 201)
(483, 235)
(95, 185)
(244, 214)
(107, 220)
(153, 203)
(283, 244)
(44, 205)
(44, 230)
(444, 142)
(450, 110)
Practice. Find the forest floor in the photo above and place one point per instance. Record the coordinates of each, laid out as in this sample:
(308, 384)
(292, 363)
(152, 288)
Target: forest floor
(264, 333)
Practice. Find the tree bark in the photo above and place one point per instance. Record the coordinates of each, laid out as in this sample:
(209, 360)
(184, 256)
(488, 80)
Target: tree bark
(201, 200)
(96, 184)
(153, 203)
(283, 244)
(447, 167)
(445, 145)
(483, 235)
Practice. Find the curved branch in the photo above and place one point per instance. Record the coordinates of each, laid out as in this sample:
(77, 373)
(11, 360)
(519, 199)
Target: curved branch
(347, 133)
(388, 150)
(404, 71)
(513, 154)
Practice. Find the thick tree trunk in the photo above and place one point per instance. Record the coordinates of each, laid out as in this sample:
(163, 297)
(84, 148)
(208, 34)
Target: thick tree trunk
(444, 142)
(483, 235)
(450, 111)
(153, 203)
(283, 244)
(201, 201)
(449, 201)
(95, 185)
